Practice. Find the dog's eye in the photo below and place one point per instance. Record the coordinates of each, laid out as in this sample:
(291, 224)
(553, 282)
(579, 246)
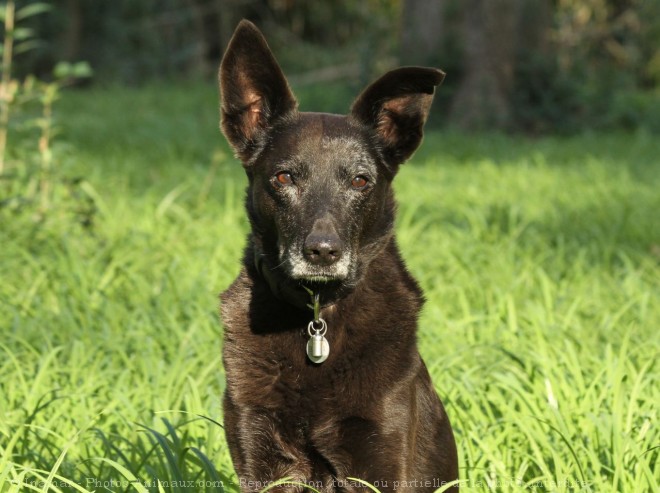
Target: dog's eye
(283, 178)
(359, 182)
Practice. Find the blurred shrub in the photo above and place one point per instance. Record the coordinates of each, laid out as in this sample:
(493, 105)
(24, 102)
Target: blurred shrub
(133, 41)
(576, 63)
(598, 68)
(33, 184)
(634, 109)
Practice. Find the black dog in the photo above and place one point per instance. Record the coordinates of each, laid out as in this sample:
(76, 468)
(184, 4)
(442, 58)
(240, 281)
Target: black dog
(341, 393)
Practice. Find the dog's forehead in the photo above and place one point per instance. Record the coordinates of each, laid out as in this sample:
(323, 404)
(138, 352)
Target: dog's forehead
(321, 135)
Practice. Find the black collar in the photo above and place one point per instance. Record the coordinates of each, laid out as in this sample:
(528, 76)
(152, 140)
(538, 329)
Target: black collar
(281, 287)
(291, 291)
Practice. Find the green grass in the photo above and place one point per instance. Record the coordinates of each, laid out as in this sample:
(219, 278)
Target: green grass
(540, 260)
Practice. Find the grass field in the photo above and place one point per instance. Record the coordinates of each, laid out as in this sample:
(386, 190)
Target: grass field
(540, 260)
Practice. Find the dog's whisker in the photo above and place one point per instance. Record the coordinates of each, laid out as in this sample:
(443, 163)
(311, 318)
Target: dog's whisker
(278, 265)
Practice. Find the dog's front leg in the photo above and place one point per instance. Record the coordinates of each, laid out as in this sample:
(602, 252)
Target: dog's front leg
(261, 452)
(359, 450)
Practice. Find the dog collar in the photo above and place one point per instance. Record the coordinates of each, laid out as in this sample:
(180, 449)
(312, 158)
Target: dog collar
(317, 347)
(294, 295)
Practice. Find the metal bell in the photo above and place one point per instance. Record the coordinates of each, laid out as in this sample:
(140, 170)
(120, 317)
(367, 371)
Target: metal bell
(317, 348)
(317, 345)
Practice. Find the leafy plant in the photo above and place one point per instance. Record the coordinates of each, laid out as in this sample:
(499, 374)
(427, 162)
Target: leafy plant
(29, 177)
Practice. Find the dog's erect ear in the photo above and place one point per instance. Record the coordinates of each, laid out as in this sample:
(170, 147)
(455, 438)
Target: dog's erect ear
(254, 91)
(396, 107)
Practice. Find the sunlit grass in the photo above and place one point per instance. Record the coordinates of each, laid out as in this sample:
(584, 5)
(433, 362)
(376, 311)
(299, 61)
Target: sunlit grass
(540, 260)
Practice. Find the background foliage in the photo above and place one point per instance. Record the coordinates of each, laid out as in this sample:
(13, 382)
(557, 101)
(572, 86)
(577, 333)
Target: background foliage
(531, 65)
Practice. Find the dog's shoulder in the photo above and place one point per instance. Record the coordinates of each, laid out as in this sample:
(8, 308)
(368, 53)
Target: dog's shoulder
(235, 301)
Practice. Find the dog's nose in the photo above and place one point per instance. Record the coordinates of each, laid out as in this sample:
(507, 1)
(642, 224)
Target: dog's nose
(322, 246)
(322, 251)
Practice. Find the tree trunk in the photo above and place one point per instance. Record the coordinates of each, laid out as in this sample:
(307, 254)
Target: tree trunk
(72, 34)
(489, 32)
(422, 28)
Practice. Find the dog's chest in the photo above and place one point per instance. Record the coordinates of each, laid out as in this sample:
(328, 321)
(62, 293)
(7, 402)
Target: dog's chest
(266, 361)
(273, 370)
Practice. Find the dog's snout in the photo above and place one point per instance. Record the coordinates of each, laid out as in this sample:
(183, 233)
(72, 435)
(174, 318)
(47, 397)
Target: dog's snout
(322, 250)
(322, 246)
